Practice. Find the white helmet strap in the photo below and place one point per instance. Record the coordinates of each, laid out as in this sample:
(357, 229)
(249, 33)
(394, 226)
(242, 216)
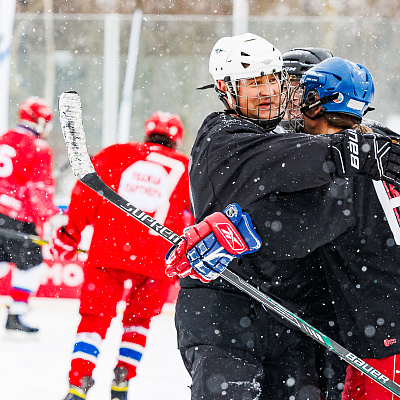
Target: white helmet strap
(229, 96)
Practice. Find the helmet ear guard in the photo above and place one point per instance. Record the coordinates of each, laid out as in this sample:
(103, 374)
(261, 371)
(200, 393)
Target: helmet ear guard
(230, 95)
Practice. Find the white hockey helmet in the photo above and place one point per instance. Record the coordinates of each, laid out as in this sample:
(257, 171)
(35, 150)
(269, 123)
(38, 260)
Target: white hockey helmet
(244, 56)
(237, 58)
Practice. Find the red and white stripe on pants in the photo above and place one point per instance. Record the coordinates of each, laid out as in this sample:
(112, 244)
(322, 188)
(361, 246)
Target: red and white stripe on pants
(101, 292)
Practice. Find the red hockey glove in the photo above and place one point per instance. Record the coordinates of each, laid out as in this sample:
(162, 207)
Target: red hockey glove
(208, 247)
(65, 243)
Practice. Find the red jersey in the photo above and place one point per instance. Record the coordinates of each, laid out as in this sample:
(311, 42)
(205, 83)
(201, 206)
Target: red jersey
(26, 178)
(152, 177)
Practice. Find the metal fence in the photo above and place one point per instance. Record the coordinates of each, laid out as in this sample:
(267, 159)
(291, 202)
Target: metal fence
(88, 53)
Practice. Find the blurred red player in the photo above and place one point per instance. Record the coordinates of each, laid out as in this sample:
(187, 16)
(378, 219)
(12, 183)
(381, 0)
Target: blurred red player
(26, 201)
(154, 177)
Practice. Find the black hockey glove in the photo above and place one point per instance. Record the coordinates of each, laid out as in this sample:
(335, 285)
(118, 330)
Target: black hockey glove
(368, 154)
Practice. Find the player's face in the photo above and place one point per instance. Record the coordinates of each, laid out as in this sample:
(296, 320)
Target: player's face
(311, 126)
(260, 98)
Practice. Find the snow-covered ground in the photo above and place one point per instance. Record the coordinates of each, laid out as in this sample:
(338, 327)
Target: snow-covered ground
(36, 368)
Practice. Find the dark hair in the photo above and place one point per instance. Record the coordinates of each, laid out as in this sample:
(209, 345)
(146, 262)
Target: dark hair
(158, 138)
(344, 121)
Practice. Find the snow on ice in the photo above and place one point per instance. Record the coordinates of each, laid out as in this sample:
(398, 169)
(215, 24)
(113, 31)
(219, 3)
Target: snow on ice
(36, 367)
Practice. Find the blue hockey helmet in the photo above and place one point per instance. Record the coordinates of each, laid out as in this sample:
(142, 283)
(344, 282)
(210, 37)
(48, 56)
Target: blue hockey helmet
(342, 87)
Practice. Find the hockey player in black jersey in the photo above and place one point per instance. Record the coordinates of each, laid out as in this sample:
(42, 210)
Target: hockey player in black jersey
(293, 186)
(331, 369)
(361, 265)
(296, 62)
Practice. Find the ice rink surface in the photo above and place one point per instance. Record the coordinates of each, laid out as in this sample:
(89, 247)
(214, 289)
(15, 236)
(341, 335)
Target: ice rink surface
(36, 367)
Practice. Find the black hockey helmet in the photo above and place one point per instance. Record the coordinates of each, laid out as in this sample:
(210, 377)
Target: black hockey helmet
(297, 62)
(301, 59)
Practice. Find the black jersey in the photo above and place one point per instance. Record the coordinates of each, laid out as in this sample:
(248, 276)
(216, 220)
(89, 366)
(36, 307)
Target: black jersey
(284, 182)
(362, 269)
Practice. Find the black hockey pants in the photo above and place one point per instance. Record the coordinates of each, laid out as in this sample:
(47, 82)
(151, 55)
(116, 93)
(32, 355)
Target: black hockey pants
(235, 350)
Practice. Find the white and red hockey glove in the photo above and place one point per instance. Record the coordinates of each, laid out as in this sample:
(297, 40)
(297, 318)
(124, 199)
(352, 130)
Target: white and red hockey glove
(65, 243)
(208, 247)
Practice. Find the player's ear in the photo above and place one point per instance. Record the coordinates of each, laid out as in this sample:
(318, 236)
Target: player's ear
(222, 85)
(312, 112)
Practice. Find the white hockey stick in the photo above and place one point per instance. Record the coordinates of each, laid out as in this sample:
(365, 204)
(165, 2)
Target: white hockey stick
(74, 136)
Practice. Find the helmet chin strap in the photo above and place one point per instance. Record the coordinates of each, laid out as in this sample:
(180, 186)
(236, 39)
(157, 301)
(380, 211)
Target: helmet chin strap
(229, 97)
(223, 97)
(226, 96)
(228, 100)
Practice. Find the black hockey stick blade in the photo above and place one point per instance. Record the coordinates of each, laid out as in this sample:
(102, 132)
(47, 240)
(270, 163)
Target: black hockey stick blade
(9, 233)
(72, 127)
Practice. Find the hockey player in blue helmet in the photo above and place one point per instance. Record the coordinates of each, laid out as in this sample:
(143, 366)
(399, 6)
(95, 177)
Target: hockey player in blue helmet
(340, 91)
(335, 86)
(335, 95)
(333, 78)
(360, 89)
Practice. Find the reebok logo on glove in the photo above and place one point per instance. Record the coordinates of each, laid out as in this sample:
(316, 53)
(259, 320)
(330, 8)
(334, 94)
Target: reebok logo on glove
(229, 239)
(208, 247)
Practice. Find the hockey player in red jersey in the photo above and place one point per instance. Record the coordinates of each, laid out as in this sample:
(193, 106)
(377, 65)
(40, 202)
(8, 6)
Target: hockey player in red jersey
(154, 177)
(26, 200)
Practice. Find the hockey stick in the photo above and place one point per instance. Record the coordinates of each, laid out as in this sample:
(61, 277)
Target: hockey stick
(8, 233)
(74, 136)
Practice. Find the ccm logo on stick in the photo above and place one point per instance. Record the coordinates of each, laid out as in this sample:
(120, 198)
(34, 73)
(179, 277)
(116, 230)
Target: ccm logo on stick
(353, 145)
